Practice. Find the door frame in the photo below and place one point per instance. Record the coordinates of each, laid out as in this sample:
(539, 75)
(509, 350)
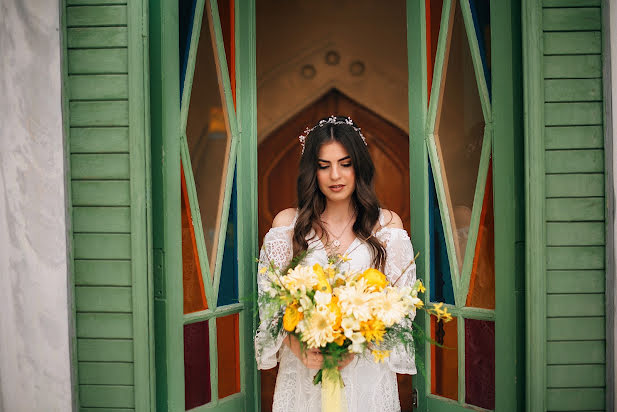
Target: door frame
(508, 194)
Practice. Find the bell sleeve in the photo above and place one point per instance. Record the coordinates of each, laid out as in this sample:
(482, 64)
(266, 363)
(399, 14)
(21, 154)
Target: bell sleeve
(277, 248)
(401, 271)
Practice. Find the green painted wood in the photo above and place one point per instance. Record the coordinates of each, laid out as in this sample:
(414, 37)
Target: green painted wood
(104, 325)
(575, 399)
(106, 373)
(98, 61)
(576, 352)
(589, 304)
(572, 67)
(575, 376)
(575, 185)
(102, 246)
(575, 281)
(581, 209)
(575, 257)
(571, 3)
(96, 16)
(436, 403)
(187, 88)
(571, 90)
(102, 219)
(97, 37)
(94, 2)
(572, 19)
(560, 114)
(535, 190)
(207, 314)
(99, 87)
(99, 113)
(575, 234)
(105, 350)
(577, 328)
(574, 161)
(100, 166)
(103, 299)
(106, 409)
(102, 273)
(574, 137)
(106, 396)
(99, 140)
(573, 42)
(232, 403)
(100, 193)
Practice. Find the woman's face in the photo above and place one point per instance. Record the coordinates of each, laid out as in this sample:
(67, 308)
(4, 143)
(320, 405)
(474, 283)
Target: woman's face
(335, 172)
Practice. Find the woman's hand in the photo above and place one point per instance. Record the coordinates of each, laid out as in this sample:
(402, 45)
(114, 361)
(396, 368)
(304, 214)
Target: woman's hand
(346, 360)
(311, 358)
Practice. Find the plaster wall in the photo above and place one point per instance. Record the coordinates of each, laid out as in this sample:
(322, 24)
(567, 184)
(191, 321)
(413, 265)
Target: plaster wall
(35, 367)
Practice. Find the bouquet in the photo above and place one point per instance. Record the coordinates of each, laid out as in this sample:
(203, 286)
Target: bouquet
(341, 312)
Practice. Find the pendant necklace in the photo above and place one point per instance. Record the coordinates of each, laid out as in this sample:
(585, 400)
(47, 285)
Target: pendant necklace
(336, 242)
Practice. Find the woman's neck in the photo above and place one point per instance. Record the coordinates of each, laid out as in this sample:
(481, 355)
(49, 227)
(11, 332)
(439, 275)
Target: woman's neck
(338, 211)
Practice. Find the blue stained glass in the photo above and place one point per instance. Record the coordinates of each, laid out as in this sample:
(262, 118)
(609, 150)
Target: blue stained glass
(441, 280)
(228, 285)
(481, 15)
(186, 15)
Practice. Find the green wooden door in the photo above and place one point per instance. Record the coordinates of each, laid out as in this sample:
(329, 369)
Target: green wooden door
(464, 117)
(204, 203)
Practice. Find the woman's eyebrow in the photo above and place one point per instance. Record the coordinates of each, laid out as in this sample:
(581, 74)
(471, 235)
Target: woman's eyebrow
(339, 160)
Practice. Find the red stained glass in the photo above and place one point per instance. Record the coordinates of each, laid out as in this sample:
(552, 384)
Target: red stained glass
(444, 360)
(433, 20)
(197, 390)
(480, 363)
(227, 17)
(228, 345)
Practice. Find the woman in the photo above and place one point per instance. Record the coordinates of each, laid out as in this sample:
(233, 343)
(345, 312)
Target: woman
(338, 213)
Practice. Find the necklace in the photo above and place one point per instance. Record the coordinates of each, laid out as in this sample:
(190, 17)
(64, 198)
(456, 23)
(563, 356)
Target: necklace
(336, 242)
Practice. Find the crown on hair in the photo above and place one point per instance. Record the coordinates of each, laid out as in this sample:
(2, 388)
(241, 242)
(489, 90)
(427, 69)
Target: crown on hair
(331, 120)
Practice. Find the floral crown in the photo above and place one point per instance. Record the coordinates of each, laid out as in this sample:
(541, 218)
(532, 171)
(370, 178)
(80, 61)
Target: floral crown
(331, 120)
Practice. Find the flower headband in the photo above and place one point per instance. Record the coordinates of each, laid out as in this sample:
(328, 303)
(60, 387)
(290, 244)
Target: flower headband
(331, 120)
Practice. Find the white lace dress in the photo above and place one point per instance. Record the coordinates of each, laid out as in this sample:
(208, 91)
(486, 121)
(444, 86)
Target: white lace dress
(369, 386)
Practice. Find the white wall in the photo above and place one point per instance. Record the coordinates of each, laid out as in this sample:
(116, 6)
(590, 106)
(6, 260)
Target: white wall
(35, 372)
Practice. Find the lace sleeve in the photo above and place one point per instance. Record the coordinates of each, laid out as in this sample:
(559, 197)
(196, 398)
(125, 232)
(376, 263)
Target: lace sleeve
(401, 271)
(276, 248)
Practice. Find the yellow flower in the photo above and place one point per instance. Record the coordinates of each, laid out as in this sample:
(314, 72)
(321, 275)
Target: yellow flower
(374, 278)
(421, 287)
(344, 258)
(380, 355)
(291, 317)
(263, 270)
(373, 330)
(339, 338)
(323, 284)
(334, 307)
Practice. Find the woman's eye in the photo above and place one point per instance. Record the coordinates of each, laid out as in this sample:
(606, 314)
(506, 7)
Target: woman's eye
(321, 167)
(346, 165)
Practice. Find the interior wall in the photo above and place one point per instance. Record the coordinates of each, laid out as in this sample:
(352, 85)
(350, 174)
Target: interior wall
(35, 372)
(357, 47)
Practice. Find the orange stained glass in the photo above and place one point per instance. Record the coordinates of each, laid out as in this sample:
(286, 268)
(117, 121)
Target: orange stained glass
(227, 17)
(433, 20)
(444, 360)
(482, 282)
(228, 344)
(459, 132)
(192, 281)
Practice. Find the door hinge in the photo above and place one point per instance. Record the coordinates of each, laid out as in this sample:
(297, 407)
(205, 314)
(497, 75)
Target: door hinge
(414, 398)
(159, 280)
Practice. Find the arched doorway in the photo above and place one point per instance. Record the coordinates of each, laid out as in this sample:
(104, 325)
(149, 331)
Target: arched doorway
(278, 157)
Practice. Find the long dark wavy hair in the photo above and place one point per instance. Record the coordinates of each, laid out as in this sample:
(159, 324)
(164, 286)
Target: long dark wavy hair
(312, 202)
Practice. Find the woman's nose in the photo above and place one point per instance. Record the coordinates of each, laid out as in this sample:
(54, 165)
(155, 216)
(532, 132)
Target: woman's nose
(334, 172)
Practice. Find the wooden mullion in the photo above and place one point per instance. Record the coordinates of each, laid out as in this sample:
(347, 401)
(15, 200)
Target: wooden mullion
(441, 62)
(477, 61)
(202, 251)
(470, 313)
(478, 204)
(214, 364)
(190, 64)
(446, 221)
(208, 314)
(460, 330)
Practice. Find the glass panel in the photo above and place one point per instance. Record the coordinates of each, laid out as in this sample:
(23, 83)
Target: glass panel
(433, 21)
(444, 361)
(192, 282)
(441, 280)
(227, 16)
(208, 139)
(481, 14)
(228, 345)
(458, 133)
(186, 13)
(480, 363)
(196, 365)
(482, 282)
(228, 285)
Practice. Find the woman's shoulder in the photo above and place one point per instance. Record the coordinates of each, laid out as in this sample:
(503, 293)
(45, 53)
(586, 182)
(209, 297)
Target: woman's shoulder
(284, 218)
(389, 219)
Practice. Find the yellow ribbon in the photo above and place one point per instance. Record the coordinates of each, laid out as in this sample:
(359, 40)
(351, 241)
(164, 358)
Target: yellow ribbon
(332, 391)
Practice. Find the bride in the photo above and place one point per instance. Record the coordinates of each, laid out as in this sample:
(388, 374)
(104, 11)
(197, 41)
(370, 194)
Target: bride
(338, 213)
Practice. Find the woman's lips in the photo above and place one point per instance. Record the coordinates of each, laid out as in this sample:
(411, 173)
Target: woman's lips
(336, 188)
